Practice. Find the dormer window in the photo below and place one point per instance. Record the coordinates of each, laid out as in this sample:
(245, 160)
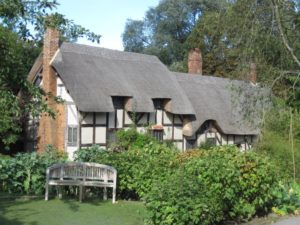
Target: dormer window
(118, 102)
(158, 103)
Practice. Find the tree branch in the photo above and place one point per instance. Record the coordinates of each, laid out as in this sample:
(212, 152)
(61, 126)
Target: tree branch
(283, 37)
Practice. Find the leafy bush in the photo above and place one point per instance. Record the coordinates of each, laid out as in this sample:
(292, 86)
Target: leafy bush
(180, 198)
(89, 154)
(142, 159)
(230, 185)
(25, 172)
(287, 199)
(130, 138)
(195, 187)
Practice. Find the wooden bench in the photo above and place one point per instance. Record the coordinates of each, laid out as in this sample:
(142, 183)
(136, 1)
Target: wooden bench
(82, 175)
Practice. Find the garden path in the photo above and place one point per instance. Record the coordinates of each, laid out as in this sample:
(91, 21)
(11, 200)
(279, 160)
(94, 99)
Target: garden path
(290, 221)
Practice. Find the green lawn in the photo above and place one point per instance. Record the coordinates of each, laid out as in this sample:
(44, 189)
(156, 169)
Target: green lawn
(19, 211)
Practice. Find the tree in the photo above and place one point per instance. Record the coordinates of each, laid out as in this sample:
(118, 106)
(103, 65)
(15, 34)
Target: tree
(19, 47)
(247, 31)
(21, 15)
(134, 39)
(14, 63)
(165, 28)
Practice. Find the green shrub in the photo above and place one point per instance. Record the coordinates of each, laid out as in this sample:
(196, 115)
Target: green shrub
(243, 180)
(196, 187)
(180, 198)
(287, 199)
(142, 159)
(89, 154)
(130, 138)
(25, 172)
(137, 167)
(213, 185)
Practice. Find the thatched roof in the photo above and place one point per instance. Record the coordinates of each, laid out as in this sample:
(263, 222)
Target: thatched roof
(93, 75)
(223, 101)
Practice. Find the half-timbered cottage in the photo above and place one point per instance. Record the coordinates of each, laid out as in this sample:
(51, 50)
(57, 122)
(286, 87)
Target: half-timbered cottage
(105, 90)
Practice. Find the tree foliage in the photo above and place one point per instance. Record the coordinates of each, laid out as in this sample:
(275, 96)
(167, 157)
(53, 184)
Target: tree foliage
(230, 34)
(22, 24)
(21, 16)
(165, 28)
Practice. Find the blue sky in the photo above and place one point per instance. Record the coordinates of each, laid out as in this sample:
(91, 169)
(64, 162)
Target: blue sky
(105, 17)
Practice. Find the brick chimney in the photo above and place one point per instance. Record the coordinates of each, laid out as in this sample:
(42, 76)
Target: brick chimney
(252, 74)
(48, 127)
(195, 61)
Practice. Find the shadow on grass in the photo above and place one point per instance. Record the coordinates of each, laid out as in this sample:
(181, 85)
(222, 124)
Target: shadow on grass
(7, 206)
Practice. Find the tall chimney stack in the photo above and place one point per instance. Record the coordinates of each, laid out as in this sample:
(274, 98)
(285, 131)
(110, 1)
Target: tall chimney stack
(253, 74)
(195, 61)
(47, 125)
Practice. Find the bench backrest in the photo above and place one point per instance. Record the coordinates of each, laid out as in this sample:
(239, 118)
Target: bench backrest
(82, 171)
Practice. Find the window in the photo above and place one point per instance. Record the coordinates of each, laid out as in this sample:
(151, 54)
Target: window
(118, 102)
(158, 134)
(37, 80)
(190, 144)
(158, 103)
(211, 141)
(72, 136)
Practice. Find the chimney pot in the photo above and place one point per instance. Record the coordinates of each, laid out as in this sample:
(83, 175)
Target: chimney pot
(195, 61)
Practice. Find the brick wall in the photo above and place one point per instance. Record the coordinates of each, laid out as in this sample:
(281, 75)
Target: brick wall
(51, 131)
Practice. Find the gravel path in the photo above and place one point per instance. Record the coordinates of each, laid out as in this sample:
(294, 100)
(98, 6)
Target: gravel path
(291, 221)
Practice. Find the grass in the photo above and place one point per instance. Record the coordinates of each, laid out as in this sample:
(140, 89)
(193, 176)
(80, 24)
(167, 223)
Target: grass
(36, 211)
(31, 210)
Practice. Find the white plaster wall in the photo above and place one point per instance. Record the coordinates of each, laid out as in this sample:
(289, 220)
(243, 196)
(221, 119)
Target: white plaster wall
(167, 133)
(178, 133)
(184, 144)
(167, 118)
(224, 139)
(210, 135)
(62, 91)
(72, 116)
(200, 139)
(87, 135)
(159, 117)
(100, 137)
(119, 118)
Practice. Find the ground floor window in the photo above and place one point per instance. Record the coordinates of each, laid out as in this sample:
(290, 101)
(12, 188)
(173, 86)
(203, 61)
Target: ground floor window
(211, 141)
(72, 136)
(158, 134)
(190, 144)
